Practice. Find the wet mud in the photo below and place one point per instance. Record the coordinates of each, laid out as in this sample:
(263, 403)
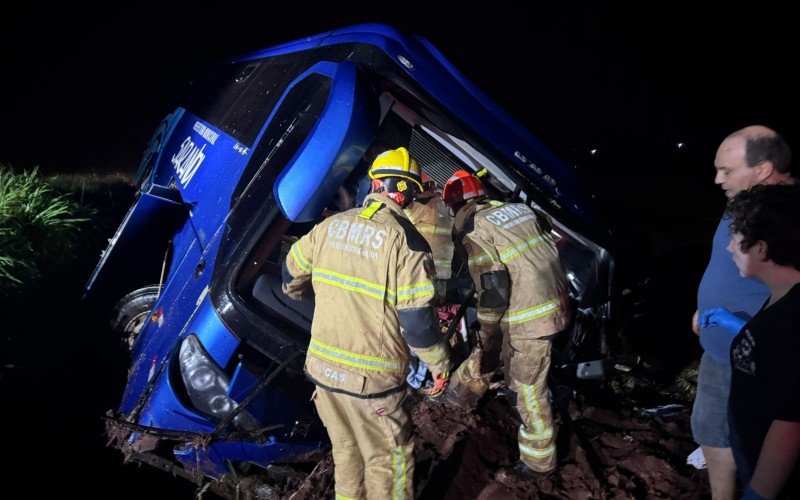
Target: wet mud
(607, 448)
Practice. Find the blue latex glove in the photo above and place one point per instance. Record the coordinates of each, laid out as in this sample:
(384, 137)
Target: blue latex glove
(719, 316)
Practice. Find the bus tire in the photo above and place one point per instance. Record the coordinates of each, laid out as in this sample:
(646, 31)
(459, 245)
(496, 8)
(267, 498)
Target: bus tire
(131, 312)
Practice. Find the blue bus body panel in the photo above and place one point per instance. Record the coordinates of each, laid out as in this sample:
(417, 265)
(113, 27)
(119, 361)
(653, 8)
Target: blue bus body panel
(328, 156)
(157, 338)
(145, 173)
(164, 409)
(194, 143)
(142, 236)
(205, 163)
(208, 197)
(182, 309)
(272, 402)
(211, 460)
(449, 87)
(243, 382)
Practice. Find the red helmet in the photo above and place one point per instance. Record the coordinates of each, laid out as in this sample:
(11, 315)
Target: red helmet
(428, 184)
(461, 187)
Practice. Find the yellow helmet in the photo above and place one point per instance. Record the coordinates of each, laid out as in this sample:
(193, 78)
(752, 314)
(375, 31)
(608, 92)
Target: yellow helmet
(396, 163)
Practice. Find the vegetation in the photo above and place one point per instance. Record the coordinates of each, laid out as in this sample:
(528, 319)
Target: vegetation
(40, 227)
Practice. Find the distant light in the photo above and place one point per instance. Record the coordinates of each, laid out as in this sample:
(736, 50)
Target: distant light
(592, 151)
(680, 145)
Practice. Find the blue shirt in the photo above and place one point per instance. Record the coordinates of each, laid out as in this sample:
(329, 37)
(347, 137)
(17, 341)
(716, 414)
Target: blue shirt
(723, 286)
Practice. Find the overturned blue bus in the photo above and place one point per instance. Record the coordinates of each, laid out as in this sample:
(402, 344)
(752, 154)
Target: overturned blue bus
(263, 147)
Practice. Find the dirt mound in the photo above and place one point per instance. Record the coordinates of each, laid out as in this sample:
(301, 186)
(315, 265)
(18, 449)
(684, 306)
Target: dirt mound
(606, 450)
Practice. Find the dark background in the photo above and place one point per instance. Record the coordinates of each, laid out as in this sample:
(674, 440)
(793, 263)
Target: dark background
(83, 88)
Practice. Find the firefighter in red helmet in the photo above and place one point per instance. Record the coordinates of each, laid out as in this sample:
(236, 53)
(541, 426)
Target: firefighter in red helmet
(522, 301)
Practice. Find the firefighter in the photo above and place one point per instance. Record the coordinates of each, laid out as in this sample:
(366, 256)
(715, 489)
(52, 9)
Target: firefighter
(371, 274)
(522, 302)
(431, 217)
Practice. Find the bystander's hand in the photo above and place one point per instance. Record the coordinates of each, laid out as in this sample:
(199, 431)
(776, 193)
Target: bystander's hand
(719, 316)
(695, 326)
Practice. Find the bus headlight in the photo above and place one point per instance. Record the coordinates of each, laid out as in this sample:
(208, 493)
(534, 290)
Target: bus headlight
(207, 385)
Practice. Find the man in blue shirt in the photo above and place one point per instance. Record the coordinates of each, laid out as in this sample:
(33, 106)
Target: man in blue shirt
(750, 156)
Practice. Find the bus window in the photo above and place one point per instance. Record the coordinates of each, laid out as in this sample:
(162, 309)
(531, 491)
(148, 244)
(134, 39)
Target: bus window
(238, 97)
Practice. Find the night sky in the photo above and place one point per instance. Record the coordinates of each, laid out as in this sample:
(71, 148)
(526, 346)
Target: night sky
(82, 89)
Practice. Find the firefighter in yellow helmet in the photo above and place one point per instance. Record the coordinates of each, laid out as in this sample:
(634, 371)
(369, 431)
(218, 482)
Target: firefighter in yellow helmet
(522, 301)
(372, 277)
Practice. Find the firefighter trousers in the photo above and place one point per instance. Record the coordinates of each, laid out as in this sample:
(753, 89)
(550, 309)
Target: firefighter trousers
(372, 443)
(528, 363)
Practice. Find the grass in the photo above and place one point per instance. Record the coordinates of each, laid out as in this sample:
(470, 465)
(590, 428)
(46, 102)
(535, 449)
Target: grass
(46, 223)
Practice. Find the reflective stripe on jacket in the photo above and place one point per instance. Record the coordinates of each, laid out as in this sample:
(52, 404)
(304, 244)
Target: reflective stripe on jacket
(365, 265)
(496, 236)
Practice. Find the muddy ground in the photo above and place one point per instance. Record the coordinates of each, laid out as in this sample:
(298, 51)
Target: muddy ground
(607, 448)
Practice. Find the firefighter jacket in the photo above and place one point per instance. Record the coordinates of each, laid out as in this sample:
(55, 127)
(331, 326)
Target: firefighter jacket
(371, 274)
(519, 280)
(432, 219)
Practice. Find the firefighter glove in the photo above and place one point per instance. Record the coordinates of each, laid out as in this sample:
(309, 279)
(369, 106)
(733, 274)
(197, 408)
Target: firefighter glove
(719, 316)
(439, 384)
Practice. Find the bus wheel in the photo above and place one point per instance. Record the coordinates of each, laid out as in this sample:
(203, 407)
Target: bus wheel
(131, 312)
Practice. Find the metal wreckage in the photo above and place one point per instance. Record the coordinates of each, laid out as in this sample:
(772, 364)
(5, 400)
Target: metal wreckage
(257, 153)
